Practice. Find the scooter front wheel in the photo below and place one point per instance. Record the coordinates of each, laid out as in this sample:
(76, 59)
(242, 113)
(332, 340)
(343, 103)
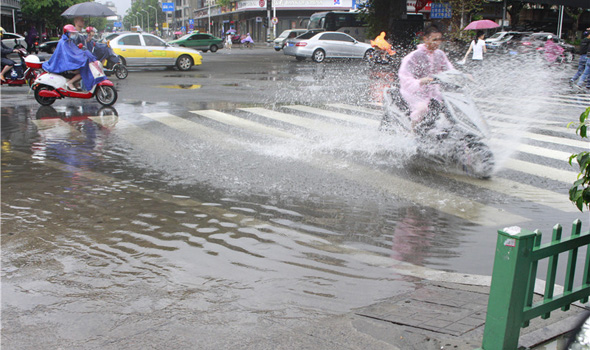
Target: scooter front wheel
(44, 101)
(106, 95)
(121, 71)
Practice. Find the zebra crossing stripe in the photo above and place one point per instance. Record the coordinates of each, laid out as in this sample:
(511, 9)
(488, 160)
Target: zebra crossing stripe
(544, 138)
(535, 99)
(50, 123)
(241, 123)
(523, 191)
(584, 97)
(444, 201)
(536, 126)
(435, 198)
(544, 152)
(541, 170)
(354, 108)
(291, 119)
(335, 115)
(490, 116)
(193, 128)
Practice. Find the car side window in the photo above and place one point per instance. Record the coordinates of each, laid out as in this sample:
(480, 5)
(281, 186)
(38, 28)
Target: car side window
(328, 36)
(342, 37)
(130, 40)
(200, 37)
(152, 41)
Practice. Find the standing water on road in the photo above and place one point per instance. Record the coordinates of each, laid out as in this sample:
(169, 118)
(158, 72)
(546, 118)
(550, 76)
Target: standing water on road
(157, 224)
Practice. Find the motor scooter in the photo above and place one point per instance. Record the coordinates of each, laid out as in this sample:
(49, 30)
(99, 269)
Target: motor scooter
(21, 73)
(48, 87)
(452, 135)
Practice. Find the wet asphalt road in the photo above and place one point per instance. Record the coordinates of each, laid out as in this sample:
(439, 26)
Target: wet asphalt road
(194, 214)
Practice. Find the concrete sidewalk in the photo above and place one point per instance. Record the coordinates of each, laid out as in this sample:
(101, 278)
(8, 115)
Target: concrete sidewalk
(446, 310)
(437, 315)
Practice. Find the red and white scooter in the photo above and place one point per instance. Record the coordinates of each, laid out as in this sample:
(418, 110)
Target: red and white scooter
(48, 87)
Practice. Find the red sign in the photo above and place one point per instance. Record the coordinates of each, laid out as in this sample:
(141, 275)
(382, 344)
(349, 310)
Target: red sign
(261, 3)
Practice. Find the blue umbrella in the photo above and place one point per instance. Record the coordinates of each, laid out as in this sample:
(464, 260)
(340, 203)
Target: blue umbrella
(231, 31)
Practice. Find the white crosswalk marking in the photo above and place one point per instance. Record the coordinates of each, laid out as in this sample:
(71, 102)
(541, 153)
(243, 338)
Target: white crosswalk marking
(544, 138)
(242, 123)
(364, 110)
(436, 198)
(447, 202)
(335, 115)
(291, 119)
(545, 171)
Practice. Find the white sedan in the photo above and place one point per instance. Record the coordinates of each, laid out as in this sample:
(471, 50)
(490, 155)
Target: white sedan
(142, 49)
(13, 40)
(322, 45)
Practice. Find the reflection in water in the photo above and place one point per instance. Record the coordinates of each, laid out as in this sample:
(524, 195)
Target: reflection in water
(182, 86)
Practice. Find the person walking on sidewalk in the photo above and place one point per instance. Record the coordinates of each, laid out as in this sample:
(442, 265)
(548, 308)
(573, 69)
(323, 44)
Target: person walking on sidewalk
(584, 45)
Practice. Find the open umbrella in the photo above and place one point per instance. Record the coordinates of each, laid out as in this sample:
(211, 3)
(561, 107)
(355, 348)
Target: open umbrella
(178, 33)
(88, 9)
(231, 31)
(481, 24)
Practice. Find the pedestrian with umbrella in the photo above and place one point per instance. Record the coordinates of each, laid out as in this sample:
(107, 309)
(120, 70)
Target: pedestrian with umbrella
(478, 46)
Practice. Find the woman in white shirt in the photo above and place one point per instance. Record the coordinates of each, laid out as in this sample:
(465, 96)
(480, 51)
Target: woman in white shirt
(478, 46)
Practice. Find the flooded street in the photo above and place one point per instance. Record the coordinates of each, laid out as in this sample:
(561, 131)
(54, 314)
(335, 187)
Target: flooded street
(214, 208)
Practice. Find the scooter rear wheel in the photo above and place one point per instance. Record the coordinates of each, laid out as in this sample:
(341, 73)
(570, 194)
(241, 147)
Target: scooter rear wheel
(121, 71)
(106, 95)
(44, 101)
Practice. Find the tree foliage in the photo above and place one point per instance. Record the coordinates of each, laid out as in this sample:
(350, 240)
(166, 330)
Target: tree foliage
(463, 12)
(382, 14)
(48, 10)
(580, 191)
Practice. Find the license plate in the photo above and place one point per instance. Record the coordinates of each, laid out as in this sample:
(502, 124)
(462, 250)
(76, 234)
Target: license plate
(290, 44)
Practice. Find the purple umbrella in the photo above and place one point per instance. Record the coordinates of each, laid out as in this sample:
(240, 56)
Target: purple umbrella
(481, 24)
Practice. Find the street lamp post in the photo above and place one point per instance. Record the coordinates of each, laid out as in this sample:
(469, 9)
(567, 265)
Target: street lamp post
(209, 13)
(131, 23)
(148, 20)
(156, 12)
(139, 14)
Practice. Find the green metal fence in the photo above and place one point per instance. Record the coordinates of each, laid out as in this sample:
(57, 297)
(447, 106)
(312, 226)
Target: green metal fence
(510, 304)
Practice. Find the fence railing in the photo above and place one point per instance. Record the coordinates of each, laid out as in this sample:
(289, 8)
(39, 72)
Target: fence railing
(510, 304)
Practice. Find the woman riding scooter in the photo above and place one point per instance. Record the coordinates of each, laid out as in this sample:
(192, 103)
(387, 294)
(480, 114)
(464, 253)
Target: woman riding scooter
(71, 57)
(7, 63)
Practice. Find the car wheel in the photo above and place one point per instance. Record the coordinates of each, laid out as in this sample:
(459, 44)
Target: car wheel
(300, 58)
(368, 54)
(204, 50)
(277, 49)
(318, 56)
(213, 48)
(184, 63)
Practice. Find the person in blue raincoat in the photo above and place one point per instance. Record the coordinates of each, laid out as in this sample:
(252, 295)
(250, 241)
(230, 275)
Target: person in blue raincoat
(68, 56)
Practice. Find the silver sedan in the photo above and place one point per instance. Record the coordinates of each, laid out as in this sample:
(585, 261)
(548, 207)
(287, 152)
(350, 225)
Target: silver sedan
(322, 45)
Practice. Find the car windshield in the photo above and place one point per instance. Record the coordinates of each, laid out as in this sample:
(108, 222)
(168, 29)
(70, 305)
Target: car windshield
(284, 34)
(184, 37)
(497, 35)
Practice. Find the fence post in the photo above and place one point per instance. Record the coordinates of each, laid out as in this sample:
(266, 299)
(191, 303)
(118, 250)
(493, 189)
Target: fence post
(510, 276)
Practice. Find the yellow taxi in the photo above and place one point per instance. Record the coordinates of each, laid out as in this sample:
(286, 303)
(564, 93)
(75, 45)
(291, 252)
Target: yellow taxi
(143, 49)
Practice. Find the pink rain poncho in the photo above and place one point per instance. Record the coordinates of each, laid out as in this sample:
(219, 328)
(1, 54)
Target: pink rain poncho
(552, 51)
(421, 63)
